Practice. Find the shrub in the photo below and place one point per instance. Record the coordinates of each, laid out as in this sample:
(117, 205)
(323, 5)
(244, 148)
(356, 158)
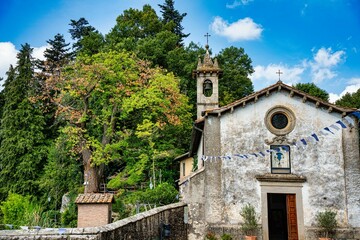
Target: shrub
(249, 226)
(15, 209)
(327, 222)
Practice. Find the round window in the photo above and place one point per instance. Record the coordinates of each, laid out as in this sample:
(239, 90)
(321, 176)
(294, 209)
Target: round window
(280, 120)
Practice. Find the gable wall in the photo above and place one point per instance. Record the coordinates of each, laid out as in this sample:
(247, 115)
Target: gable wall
(244, 131)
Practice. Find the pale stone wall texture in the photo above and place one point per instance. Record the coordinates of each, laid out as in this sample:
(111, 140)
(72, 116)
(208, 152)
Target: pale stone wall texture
(331, 167)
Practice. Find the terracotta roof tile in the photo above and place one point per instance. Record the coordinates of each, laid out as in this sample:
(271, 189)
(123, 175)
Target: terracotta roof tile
(94, 198)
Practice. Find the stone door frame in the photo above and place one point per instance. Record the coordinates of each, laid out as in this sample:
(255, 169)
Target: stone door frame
(282, 188)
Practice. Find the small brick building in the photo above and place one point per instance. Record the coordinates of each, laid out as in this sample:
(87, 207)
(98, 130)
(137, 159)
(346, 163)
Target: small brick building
(94, 209)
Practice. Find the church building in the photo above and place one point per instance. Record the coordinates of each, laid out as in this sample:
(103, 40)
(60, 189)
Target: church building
(288, 154)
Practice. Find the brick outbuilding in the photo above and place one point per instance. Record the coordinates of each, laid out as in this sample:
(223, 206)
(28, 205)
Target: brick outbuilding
(94, 209)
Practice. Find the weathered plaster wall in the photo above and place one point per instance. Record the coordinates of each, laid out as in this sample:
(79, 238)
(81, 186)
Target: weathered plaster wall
(244, 131)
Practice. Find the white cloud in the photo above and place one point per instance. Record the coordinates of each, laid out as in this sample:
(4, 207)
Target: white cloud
(7, 57)
(265, 75)
(237, 3)
(354, 85)
(38, 52)
(243, 29)
(8, 54)
(324, 62)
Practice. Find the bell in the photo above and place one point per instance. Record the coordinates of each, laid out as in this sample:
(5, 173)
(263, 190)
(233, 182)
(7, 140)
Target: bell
(207, 85)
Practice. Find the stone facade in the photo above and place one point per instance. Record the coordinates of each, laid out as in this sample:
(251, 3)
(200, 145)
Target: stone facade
(323, 174)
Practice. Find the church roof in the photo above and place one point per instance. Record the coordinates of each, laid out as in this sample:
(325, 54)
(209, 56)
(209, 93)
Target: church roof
(278, 87)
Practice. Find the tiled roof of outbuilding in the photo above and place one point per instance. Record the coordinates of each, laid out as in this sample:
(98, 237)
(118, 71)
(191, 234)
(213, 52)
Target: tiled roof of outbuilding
(94, 198)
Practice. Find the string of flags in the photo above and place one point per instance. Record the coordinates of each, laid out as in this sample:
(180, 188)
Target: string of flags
(313, 138)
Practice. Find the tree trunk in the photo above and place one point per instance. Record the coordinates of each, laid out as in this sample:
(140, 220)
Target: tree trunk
(91, 173)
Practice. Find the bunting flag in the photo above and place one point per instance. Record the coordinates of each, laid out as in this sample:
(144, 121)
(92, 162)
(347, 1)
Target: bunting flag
(315, 137)
(349, 121)
(342, 124)
(301, 144)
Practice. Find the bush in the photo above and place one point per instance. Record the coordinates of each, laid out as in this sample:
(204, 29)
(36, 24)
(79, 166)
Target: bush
(327, 222)
(249, 226)
(16, 209)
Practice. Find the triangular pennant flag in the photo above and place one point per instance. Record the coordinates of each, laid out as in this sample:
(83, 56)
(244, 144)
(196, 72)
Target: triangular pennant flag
(315, 137)
(349, 121)
(322, 132)
(327, 129)
(342, 124)
(335, 127)
(356, 114)
(303, 141)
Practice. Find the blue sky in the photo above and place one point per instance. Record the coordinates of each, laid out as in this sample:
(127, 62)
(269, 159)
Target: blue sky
(308, 40)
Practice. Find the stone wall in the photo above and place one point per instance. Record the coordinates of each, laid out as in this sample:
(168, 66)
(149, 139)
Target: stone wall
(144, 225)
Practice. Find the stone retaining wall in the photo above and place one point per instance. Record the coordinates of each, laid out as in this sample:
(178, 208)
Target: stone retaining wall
(144, 225)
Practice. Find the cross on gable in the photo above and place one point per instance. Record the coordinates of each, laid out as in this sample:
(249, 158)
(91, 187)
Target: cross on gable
(279, 72)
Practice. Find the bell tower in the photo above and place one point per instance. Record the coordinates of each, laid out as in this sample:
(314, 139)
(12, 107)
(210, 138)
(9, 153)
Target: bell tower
(207, 77)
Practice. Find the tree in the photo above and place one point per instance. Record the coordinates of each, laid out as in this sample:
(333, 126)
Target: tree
(22, 149)
(89, 40)
(172, 19)
(115, 110)
(235, 82)
(351, 100)
(133, 25)
(313, 90)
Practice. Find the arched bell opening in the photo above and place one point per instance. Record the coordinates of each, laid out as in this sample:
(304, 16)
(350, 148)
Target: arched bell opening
(207, 88)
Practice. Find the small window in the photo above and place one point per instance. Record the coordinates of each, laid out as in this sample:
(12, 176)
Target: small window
(280, 159)
(280, 120)
(207, 88)
(183, 168)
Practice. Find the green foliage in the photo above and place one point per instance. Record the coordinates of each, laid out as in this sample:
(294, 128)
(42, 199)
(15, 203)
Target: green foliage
(23, 145)
(235, 82)
(249, 225)
(89, 40)
(313, 90)
(226, 237)
(14, 209)
(327, 222)
(351, 100)
(62, 172)
(172, 19)
(126, 202)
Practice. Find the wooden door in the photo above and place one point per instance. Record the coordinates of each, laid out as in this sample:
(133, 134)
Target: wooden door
(291, 217)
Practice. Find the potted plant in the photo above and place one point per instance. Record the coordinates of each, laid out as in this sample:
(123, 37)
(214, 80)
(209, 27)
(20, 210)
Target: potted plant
(327, 223)
(249, 226)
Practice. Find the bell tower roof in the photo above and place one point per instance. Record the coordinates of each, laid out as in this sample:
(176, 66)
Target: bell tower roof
(207, 65)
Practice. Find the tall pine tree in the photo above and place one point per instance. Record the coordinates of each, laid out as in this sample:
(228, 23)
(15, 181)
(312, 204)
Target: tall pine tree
(22, 151)
(173, 19)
